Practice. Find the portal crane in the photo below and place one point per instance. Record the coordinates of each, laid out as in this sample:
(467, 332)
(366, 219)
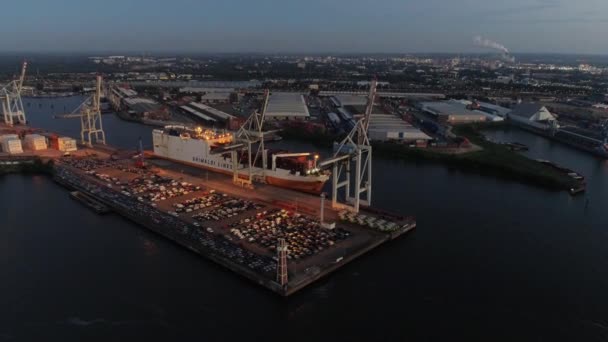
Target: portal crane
(10, 97)
(22, 77)
(354, 149)
(89, 112)
(251, 133)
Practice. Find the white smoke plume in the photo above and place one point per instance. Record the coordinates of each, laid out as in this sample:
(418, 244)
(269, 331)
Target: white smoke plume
(484, 42)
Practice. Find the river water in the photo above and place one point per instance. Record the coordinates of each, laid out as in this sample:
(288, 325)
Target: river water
(491, 260)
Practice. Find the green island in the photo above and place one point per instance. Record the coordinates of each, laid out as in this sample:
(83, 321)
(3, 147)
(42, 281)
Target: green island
(489, 158)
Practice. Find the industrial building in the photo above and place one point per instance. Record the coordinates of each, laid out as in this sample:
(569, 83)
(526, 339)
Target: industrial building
(452, 112)
(205, 90)
(125, 92)
(287, 106)
(532, 114)
(207, 114)
(492, 112)
(385, 127)
(201, 116)
(493, 109)
(215, 98)
(349, 100)
(145, 108)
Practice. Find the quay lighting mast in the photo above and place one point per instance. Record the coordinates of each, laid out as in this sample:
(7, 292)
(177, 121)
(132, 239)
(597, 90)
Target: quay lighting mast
(282, 250)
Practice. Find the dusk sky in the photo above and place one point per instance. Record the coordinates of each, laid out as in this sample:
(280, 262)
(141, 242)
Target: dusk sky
(304, 26)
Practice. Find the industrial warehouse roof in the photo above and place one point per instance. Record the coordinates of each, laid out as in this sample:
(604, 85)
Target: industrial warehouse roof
(286, 105)
(141, 105)
(448, 108)
(352, 100)
(215, 97)
(388, 123)
(197, 113)
(494, 109)
(127, 92)
(211, 111)
(526, 110)
(205, 90)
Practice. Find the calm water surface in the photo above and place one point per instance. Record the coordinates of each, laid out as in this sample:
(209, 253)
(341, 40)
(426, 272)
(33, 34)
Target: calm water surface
(491, 260)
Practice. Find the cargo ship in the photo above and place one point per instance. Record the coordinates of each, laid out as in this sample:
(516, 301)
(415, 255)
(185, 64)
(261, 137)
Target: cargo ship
(297, 171)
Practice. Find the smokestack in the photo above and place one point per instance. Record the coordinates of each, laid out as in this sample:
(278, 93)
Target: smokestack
(484, 42)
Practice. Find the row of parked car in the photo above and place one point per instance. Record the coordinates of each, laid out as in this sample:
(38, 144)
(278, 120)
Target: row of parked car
(227, 209)
(184, 233)
(304, 235)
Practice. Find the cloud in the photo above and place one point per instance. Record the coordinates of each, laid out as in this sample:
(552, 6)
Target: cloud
(537, 6)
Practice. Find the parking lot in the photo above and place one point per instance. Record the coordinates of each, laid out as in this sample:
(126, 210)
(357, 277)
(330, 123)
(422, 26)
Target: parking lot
(210, 214)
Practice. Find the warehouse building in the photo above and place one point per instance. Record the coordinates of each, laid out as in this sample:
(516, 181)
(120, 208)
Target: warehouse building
(492, 112)
(452, 112)
(216, 114)
(532, 114)
(146, 108)
(204, 90)
(125, 92)
(287, 106)
(388, 127)
(198, 115)
(215, 98)
(350, 100)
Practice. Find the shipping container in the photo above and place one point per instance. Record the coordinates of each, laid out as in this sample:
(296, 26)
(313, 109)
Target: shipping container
(12, 145)
(8, 136)
(35, 142)
(66, 144)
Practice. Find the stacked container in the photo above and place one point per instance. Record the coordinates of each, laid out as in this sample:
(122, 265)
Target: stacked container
(65, 144)
(35, 142)
(11, 144)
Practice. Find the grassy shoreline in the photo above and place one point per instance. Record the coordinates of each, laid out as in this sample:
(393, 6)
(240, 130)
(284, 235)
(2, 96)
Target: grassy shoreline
(494, 159)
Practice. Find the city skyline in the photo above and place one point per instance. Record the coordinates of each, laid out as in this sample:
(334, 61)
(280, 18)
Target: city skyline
(549, 26)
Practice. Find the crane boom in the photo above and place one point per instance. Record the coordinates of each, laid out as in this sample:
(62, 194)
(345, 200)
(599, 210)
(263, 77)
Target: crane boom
(22, 77)
(370, 103)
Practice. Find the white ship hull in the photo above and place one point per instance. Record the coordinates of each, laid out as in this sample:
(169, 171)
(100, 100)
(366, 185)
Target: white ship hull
(196, 152)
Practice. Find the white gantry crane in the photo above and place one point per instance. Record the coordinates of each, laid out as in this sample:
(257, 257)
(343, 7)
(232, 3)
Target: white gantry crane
(89, 112)
(10, 97)
(354, 149)
(249, 134)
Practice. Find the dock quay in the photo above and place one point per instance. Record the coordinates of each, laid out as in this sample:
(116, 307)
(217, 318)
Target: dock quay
(90, 202)
(273, 236)
(232, 226)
